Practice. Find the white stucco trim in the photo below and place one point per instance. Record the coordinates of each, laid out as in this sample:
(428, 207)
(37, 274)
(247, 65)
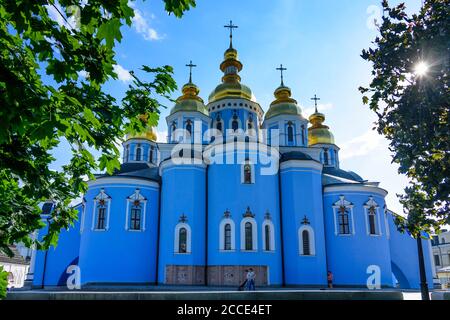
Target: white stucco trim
(132, 181)
(269, 223)
(254, 234)
(348, 205)
(356, 188)
(312, 240)
(83, 216)
(224, 222)
(133, 197)
(177, 238)
(386, 224)
(312, 164)
(367, 205)
(101, 196)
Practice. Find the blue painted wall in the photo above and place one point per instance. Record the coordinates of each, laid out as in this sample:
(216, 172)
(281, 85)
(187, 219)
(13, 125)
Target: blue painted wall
(58, 258)
(349, 256)
(302, 196)
(226, 191)
(120, 255)
(405, 261)
(183, 192)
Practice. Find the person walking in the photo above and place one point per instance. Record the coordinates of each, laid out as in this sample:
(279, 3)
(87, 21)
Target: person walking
(243, 285)
(251, 275)
(330, 279)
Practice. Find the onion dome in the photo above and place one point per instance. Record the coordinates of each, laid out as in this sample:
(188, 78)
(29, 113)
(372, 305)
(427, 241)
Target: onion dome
(231, 86)
(283, 104)
(190, 101)
(318, 132)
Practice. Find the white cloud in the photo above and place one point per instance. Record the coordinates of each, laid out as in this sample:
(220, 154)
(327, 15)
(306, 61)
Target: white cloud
(123, 74)
(141, 25)
(57, 14)
(83, 74)
(361, 146)
(320, 107)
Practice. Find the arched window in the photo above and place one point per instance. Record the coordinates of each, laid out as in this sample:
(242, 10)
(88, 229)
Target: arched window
(182, 240)
(182, 243)
(303, 135)
(235, 123)
(325, 156)
(219, 125)
(151, 154)
(306, 241)
(373, 221)
(100, 217)
(267, 237)
(138, 153)
(127, 153)
(248, 236)
(290, 132)
(306, 244)
(227, 237)
(189, 127)
(247, 173)
(173, 129)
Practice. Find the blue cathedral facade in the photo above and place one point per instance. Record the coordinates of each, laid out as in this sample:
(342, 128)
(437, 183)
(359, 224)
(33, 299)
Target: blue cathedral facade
(233, 187)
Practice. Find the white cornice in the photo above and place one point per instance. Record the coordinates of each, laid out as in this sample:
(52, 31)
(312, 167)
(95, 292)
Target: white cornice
(123, 180)
(356, 188)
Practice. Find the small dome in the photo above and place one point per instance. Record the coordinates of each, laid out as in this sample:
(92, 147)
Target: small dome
(190, 101)
(283, 104)
(318, 132)
(148, 134)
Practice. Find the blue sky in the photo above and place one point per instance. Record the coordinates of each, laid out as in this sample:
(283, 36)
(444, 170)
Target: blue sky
(319, 42)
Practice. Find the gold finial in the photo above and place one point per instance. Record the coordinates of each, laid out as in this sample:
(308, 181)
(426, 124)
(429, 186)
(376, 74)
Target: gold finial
(281, 71)
(231, 27)
(190, 65)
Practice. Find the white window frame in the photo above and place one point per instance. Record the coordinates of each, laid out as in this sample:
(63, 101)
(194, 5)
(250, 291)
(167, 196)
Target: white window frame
(136, 196)
(239, 129)
(101, 196)
(349, 205)
(252, 168)
(386, 223)
(222, 225)
(367, 205)
(83, 215)
(312, 241)
(269, 223)
(177, 238)
(254, 234)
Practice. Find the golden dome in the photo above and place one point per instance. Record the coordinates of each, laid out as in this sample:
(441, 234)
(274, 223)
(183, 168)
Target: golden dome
(231, 86)
(190, 101)
(318, 132)
(148, 134)
(283, 104)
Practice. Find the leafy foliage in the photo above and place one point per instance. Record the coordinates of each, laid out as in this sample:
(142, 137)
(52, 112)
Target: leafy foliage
(413, 108)
(45, 100)
(3, 283)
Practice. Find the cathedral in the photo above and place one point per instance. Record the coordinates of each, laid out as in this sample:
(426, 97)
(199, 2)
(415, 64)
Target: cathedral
(233, 188)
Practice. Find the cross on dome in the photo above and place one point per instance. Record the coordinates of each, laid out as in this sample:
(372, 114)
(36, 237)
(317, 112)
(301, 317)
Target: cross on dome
(281, 71)
(315, 101)
(231, 26)
(190, 65)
